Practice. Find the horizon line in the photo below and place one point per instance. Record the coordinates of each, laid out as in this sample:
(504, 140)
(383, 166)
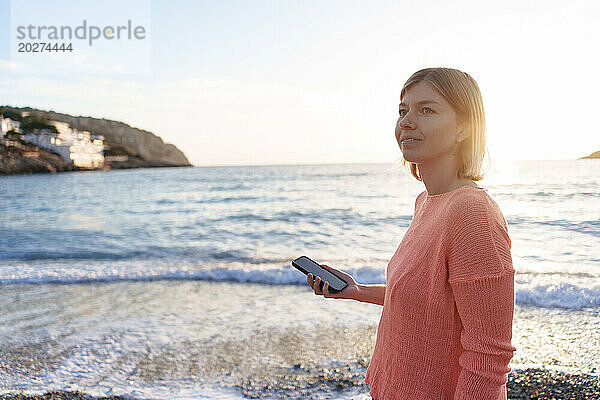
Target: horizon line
(359, 163)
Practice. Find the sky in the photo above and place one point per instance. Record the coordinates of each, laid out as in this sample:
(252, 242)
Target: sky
(311, 82)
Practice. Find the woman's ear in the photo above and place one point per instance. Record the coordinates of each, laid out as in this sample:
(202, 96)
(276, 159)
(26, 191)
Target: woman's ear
(464, 132)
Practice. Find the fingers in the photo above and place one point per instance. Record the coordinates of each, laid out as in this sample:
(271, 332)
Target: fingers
(311, 282)
(316, 285)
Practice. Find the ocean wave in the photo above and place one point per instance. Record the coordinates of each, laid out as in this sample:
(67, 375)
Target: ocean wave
(286, 275)
(559, 295)
(574, 296)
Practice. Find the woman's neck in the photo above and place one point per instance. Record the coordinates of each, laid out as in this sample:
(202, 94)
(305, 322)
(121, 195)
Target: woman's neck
(440, 176)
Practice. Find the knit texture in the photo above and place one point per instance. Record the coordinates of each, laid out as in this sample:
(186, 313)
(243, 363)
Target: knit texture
(446, 324)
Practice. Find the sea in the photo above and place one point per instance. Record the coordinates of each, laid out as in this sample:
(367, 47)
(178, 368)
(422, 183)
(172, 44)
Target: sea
(176, 283)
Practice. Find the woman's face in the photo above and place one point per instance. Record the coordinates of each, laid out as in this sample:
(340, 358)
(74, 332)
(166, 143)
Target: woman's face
(426, 116)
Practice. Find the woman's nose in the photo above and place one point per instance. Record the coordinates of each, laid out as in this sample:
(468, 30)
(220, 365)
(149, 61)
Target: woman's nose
(405, 122)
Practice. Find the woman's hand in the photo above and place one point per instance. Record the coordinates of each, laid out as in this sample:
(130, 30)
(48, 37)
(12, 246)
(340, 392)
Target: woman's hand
(349, 292)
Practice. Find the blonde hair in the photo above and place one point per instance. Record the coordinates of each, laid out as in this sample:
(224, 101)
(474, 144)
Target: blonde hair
(462, 92)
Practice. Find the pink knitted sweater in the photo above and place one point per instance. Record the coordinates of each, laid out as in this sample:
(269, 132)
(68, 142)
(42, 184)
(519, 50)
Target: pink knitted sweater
(446, 324)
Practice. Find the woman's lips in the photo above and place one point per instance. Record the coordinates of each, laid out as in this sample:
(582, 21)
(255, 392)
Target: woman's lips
(409, 141)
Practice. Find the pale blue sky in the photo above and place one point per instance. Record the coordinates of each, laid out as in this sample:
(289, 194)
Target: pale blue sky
(291, 82)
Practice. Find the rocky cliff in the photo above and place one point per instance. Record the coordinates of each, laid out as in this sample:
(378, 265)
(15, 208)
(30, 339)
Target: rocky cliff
(595, 154)
(24, 158)
(143, 148)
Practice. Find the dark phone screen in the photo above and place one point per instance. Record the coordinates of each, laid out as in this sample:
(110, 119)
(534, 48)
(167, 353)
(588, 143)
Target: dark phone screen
(307, 265)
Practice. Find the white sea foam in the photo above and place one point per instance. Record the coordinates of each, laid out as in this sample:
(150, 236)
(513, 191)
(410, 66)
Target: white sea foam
(541, 290)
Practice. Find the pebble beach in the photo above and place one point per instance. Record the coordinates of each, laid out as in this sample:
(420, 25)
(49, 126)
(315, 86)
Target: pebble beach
(522, 384)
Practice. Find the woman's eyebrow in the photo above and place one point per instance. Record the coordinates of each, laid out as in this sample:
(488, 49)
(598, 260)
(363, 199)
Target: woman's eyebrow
(421, 102)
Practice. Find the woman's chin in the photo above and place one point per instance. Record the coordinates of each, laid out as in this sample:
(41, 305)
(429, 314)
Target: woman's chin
(409, 158)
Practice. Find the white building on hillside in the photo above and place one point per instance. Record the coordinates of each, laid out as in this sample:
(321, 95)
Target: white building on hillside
(7, 124)
(81, 147)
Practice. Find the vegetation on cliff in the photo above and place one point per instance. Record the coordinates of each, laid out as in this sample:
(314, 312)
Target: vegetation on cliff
(31, 122)
(10, 113)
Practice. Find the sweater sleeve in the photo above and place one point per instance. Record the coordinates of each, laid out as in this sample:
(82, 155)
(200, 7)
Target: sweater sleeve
(482, 280)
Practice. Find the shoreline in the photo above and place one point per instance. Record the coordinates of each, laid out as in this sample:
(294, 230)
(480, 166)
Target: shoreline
(530, 383)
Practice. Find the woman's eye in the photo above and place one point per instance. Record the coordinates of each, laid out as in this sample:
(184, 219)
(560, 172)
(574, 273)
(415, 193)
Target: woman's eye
(424, 110)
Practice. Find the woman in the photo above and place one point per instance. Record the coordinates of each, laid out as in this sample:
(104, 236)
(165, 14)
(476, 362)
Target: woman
(446, 325)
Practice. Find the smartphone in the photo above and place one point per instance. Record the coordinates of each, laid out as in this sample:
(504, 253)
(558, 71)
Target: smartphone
(307, 266)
